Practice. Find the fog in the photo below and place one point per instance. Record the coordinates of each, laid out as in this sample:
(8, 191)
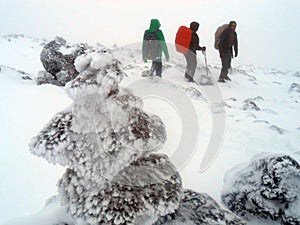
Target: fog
(268, 30)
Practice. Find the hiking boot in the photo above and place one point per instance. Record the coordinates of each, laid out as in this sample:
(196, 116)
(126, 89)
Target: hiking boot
(151, 72)
(189, 78)
(221, 80)
(227, 78)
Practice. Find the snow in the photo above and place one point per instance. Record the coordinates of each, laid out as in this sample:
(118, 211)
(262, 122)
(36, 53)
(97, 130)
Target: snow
(114, 22)
(54, 214)
(24, 108)
(18, 52)
(28, 181)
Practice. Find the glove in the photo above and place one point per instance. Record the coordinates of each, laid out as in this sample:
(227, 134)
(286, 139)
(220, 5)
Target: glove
(203, 49)
(236, 54)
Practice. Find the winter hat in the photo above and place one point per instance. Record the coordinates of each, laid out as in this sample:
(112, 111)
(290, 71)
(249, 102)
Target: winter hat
(232, 23)
(194, 26)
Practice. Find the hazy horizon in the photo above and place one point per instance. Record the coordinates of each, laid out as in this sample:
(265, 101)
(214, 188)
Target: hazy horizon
(267, 30)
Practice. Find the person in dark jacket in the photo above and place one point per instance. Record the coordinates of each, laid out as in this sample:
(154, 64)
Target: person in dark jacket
(228, 39)
(190, 56)
(161, 48)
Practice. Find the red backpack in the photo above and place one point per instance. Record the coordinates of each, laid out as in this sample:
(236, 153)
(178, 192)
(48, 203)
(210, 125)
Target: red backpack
(183, 39)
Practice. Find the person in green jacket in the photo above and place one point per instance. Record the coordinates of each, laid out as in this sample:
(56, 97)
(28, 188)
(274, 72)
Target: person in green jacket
(153, 46)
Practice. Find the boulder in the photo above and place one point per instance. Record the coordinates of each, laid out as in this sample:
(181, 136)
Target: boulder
(58, 59)
(199, 208)
(266, 187)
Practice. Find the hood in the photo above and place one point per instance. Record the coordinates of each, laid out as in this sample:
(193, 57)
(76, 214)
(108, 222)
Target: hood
(154, 25)
(194, 26)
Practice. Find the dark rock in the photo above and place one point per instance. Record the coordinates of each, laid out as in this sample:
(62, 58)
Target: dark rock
(249, 104)
(297, 74)
(144, 127)
(267, 187)
(278, 129)
(26, 77)
(294, 87)
(47, 78)
(199, 208)
(60, 66)
(51, 57)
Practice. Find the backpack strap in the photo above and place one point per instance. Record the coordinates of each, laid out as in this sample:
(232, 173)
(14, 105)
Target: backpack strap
(153, 32)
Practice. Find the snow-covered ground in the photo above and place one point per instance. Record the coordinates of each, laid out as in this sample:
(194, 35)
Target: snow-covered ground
(262, 115)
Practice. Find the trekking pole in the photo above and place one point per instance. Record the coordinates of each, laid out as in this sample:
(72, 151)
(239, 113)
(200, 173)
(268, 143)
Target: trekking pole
(204, 53)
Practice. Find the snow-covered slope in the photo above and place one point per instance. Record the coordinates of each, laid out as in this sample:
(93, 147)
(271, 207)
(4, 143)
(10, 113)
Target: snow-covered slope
(21, 53)
(261, 106)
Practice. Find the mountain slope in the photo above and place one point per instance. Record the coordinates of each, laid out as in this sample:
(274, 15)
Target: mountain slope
(261, 112)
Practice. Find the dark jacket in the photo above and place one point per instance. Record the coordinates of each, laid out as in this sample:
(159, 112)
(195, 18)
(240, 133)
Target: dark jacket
(228, 39)
(155, 25)
(194, 45)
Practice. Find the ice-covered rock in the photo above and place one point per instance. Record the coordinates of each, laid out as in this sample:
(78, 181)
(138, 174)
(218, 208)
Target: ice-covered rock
(249, 104)
(148, 188)
(107, 142)
(58, 59)
(296, 74)
(199, 208)
(266, 187)
(44, 77)
(277, 129)
(294, 87)
(105, 129)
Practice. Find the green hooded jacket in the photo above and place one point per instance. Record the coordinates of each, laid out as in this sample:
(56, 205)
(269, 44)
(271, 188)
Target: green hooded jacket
(155, 25)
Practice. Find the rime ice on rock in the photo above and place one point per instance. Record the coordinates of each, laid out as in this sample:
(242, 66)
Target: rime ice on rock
(139, 194)
(267, 187)
(199, 208)
(107, 142)
(58, 59)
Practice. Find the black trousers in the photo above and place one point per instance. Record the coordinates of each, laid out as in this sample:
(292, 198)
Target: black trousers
(226, 63)
(191, 64)
(156, 67)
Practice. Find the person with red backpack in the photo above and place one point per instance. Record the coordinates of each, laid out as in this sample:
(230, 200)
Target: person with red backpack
(228, 39)
(153, 46)
(190, 56)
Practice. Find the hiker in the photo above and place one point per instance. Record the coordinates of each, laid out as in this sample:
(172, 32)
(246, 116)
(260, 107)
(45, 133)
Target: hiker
(227, 39)
(190, 56)
(153, 46)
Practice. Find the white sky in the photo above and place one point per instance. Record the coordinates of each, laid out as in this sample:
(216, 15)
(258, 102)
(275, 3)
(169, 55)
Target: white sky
(268, 30)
